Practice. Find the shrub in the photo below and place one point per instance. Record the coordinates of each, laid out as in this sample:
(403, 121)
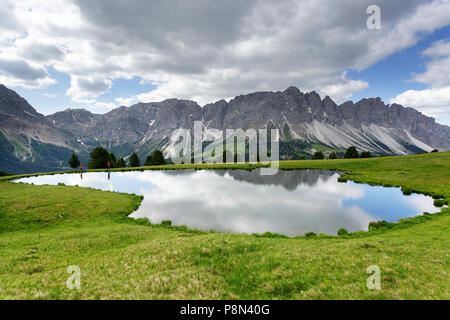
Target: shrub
(435, 150)
(3, 174)
(332, 155)
(379, 224)
(366, 154)
(270, 235)
(166, 223)
(406, 191)
(310, 234)
(342, 232)
(440, 202)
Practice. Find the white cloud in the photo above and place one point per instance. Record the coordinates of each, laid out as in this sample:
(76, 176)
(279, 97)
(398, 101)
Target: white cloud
(83, 88)
(435, 100)
(437, 72)
(126, 101)
(99, 105)
(343, 91)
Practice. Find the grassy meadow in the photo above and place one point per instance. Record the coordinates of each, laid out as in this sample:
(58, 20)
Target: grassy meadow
(45, 229)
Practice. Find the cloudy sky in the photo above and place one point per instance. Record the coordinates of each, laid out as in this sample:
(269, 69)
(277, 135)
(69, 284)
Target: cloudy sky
(102, 54)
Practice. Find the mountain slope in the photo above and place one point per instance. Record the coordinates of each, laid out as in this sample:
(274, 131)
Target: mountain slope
(28, 141)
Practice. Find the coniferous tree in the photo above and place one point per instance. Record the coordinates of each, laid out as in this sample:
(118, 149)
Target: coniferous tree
(121, 163)
(318, 155)
(74, 162)
(112, 160)
(149, 160)
(158, 158)
(332, 155)
(351, 153)
(98, 158)
(134, 160)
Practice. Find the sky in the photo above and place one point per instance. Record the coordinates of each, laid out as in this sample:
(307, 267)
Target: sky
(99, 55)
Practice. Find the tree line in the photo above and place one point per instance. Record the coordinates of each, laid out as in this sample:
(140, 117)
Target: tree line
(99, 158)
(350, 153)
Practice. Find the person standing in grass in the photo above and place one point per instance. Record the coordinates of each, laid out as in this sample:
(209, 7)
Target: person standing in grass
(109, 165)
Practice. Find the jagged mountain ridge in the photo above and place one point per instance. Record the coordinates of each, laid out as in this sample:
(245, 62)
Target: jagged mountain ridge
(302, 119)
(368, 124)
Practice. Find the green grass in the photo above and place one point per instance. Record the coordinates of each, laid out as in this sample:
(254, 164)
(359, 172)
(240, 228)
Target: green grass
(45, 229)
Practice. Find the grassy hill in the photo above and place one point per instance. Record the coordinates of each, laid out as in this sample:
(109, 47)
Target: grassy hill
(45, 229)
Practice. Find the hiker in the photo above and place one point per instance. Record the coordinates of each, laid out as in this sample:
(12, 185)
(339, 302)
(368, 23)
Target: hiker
(109, 165)
(81, 166)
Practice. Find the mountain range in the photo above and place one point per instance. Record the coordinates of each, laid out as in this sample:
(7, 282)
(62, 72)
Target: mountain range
(30, 141)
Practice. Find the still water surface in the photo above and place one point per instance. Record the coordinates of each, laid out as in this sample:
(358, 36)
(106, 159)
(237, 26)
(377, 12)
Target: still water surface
(290, 202)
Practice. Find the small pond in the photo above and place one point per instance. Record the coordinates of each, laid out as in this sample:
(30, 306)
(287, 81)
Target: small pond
(290, 202)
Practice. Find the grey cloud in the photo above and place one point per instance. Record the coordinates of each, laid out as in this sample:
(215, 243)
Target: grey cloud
(93, 85)
(41, 52)
(21, 69)
(307, 35)
(208, 49)
(160, 22)
(7, 21)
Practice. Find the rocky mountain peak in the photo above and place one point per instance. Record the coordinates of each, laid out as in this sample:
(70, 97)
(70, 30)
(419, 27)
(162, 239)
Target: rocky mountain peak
(293, 91)
(303, 119)
(15, 107)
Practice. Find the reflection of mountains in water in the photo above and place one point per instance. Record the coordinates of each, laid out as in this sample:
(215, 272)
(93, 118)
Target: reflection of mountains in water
(290, 180)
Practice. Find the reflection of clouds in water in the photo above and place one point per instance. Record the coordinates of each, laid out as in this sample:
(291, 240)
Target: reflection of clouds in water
(96, 181)
(90, 180)
(209, 201)
(291, 202)
(421, 204)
